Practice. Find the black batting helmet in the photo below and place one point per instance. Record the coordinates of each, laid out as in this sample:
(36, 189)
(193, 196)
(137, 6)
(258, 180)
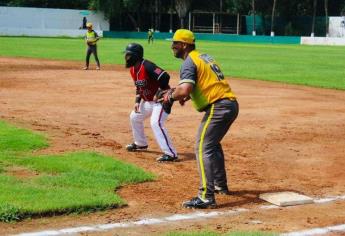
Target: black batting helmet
(134, 52)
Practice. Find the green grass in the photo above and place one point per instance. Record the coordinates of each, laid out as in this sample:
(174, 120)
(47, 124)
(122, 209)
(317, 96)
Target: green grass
(14, 139)
(57, 184)
(319, 66)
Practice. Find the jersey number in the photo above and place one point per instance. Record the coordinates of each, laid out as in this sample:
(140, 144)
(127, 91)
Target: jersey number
(209, 60)
(217, 71)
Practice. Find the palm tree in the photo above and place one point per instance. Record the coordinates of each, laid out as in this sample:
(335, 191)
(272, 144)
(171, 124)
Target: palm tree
(314, 15)
(253, 13)
(272, 19)
(326, 14)
(182, 8)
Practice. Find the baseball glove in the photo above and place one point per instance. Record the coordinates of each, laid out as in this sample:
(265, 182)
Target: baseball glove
(164, 97)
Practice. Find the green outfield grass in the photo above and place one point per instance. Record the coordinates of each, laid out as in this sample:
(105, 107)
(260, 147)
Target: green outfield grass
(56, 184)
(319, 66)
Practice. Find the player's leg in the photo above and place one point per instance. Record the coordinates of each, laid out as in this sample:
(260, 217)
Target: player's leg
(205, 198)
(220, 179)
(158, 119)
(94, 51)
(210, 157)
(87, 59)
(137, 124)
(229, 112)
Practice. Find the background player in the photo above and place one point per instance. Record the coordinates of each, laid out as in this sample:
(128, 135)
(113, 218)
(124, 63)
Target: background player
(150, 36)
(91, 38)
(148, 79)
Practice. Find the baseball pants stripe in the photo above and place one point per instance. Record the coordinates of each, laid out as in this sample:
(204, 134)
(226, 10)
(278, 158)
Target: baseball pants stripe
(201, 162)
(164, 134)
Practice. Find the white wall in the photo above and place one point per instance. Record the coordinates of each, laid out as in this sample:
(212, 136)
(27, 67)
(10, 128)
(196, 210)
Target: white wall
(337, 26)
(48, 22)
(323, 41)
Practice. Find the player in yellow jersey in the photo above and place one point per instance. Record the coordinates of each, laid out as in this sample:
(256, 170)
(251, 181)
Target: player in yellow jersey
(91, 38)
(202, 81)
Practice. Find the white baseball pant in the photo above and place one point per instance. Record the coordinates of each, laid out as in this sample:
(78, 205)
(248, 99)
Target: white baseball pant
(158, 118)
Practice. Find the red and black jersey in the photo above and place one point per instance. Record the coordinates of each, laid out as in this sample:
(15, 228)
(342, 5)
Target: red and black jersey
(148, 77)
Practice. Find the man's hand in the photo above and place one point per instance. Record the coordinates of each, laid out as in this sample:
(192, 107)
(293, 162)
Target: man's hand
(165, 97)
(184, 100)
(136, 107)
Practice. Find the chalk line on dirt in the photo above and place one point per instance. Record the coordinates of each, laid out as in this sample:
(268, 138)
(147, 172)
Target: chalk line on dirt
(191, 216)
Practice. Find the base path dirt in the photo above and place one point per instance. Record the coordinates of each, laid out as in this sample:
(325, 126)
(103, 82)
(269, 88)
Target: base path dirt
(286, 138)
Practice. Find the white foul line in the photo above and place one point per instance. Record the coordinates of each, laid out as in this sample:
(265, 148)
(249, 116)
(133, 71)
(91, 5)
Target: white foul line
(317, 231)
(190, 216)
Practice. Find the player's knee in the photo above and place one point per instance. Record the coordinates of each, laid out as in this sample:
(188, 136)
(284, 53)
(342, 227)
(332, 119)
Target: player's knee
(133, 116)
(154, 124)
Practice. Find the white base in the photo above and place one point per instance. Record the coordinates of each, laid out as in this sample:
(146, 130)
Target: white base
(286, 198)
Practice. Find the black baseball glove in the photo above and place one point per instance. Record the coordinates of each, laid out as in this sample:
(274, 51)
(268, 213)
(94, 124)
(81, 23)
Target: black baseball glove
(164, 97)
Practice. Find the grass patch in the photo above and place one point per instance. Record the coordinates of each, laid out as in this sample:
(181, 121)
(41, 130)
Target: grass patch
(73, 182)
(13, 139)
(318, 66)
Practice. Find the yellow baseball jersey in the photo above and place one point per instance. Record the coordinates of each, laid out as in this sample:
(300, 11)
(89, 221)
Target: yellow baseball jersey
(91, 37)
(202, 71)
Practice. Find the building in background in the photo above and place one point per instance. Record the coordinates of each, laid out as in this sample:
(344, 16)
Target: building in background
(19, 21)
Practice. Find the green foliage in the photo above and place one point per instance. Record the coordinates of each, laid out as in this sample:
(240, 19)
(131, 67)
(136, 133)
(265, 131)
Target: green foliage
(57, 184)
(65, 4)
(110, 8)
(9, 213)
(343, 9)
(239, 6)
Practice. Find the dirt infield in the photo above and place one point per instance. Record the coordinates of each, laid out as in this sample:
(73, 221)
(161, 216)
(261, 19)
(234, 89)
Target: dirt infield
(285, 138)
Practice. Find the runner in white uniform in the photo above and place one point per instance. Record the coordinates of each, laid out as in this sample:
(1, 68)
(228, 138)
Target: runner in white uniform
(148, 79)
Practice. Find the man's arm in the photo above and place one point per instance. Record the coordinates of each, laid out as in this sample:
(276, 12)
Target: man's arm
(137, 101)
(182, 92)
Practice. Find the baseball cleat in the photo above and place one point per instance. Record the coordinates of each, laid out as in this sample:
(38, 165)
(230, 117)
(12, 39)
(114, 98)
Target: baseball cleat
(85, 68)
(98, 68)
(166, 158)
(198, 203)
(221, 190)
(133, 147)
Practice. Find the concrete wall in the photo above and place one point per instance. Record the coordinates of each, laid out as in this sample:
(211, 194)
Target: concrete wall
(337, 26)
(18, 21)
(323, 41)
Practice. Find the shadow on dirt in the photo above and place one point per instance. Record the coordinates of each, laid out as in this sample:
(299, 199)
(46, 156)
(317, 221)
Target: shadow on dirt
(247, 196)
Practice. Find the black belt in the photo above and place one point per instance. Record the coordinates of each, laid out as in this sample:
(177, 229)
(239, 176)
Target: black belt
(219, 100)
(222, 99)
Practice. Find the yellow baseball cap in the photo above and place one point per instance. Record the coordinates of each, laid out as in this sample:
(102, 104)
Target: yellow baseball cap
(89, 25)
(184, 36)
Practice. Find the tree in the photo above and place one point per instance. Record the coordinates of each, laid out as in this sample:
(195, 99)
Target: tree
(253, 14)
(182, 8)
(272, 17)
(238, 6)
(314, 16)
(326, 16)
(63, 4)
(108, 7)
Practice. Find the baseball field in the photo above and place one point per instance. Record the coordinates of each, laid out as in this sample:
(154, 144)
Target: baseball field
(289, 136)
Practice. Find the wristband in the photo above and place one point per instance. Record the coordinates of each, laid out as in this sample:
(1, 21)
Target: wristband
(137, 99)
